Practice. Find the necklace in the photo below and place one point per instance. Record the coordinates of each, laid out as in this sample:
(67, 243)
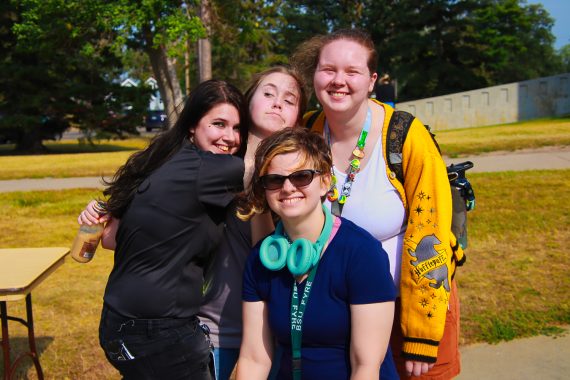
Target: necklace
(336, 197)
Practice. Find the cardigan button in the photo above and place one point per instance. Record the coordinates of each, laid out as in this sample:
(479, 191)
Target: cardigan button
(392, 175)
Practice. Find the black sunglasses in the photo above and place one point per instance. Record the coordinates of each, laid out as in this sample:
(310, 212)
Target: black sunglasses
(300, 178)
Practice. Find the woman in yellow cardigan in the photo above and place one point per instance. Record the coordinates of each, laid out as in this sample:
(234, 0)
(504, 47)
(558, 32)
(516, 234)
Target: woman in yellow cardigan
(412, 220)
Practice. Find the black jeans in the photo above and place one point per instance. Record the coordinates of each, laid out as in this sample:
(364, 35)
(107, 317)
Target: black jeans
(156, 348)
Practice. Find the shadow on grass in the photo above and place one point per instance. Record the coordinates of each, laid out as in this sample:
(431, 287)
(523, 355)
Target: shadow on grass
(70, 148)
(521, 323)
(18, 349)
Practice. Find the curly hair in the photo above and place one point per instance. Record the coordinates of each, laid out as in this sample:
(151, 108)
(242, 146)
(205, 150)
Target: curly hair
(123, 186)
(312, 148)
(306, 57)
(257, 78)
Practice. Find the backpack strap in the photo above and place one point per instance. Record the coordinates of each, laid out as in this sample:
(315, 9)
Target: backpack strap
(311, 119)
(398, 128)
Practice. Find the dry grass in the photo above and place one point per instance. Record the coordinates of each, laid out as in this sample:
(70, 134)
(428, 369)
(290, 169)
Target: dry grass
(67, 305)
(71, 159)
(510, 137)
(515, 282)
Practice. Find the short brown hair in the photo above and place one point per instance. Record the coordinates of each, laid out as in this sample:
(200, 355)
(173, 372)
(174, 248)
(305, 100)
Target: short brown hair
(306, 57)
(310, 145)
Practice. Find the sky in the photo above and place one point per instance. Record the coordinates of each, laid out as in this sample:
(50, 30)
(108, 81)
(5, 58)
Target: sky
(559, 10)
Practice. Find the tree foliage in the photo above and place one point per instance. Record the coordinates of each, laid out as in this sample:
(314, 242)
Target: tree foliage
(64, 57)
(57, 71)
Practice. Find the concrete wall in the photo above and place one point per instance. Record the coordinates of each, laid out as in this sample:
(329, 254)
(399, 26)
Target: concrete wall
(508, 103)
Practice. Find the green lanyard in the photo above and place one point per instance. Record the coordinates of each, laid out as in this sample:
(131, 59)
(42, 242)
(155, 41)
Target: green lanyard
(297, 313)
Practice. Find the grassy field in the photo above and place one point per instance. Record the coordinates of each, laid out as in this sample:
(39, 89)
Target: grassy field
(75, 159)
(515, 282)
(509, 137)
(70, 158)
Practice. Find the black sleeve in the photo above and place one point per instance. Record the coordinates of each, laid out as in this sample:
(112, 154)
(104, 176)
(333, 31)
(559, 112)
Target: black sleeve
(220, 178)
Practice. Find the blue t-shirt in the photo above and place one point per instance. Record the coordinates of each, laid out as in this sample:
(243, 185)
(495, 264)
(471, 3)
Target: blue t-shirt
(354, 269)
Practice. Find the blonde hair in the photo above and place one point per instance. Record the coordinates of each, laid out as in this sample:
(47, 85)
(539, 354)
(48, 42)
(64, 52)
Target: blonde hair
(312, 149)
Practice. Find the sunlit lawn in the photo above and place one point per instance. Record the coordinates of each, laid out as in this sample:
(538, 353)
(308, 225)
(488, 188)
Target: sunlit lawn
(83, 160)
(69, 158)
(510, 137)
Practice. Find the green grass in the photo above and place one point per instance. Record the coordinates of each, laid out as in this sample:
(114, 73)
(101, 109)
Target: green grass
(514, 284)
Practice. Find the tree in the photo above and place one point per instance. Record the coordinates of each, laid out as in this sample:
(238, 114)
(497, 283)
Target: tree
(158, 28)
(245, 38)
(57, 70)
(518, 41)
(204, 44)
(565, 57)
(442, 46)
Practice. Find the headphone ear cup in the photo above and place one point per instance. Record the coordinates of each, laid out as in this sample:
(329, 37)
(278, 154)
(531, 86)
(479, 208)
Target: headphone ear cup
(300, 257)
(273, 252)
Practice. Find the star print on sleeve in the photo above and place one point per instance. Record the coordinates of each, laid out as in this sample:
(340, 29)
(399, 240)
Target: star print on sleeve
(421, 195)
(419, 210)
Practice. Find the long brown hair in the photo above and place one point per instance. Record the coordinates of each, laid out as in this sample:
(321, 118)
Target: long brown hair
(140, 165)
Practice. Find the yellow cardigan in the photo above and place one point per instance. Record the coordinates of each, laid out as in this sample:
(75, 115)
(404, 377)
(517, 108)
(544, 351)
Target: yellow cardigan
(430, 250)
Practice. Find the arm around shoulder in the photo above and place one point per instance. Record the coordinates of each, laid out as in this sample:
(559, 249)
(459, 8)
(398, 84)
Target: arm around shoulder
(108, 239)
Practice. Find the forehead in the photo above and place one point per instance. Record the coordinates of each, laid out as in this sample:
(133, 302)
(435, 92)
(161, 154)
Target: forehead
(283, 82)
(224, 111)
(284, 163)
(345, 51)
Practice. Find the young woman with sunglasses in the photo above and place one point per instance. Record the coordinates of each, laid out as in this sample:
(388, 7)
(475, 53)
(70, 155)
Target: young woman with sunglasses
(412, 220)
(320, 285)
(275, 99)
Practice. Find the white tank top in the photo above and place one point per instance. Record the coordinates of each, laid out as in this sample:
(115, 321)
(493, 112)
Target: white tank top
(375, 205)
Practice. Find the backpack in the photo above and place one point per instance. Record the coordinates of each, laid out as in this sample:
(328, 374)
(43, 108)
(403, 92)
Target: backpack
(462, 194)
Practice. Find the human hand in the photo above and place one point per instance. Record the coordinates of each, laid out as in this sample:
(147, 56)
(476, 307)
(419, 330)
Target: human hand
(90, 216)
(415, 368)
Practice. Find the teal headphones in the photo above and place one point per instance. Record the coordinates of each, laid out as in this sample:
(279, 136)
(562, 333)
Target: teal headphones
(300, 256)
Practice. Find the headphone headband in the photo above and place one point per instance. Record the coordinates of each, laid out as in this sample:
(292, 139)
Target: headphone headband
(301, 256)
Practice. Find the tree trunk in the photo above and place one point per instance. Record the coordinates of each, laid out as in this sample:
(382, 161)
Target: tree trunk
(29, 140)
(204, 46)
(164, 69)
(187, 67)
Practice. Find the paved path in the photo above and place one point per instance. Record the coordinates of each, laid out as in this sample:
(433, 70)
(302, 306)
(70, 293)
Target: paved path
(50, 184)
(549, 158)
(536, 358)
(544, 158)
